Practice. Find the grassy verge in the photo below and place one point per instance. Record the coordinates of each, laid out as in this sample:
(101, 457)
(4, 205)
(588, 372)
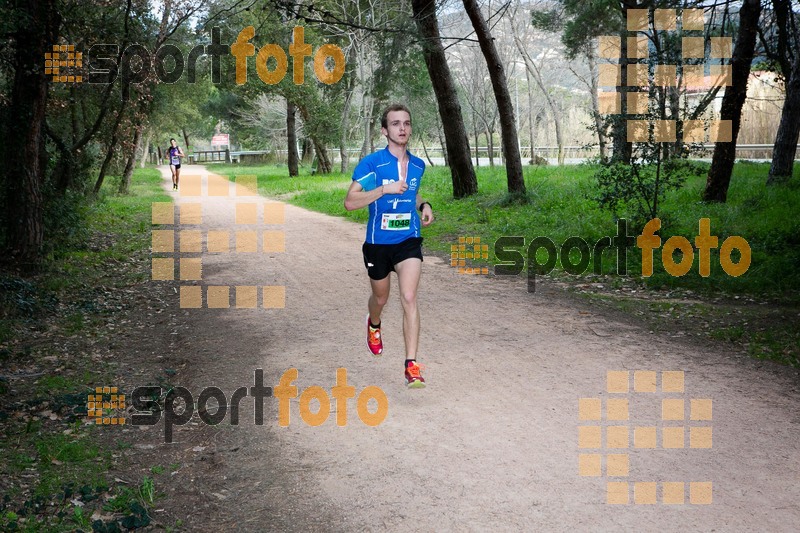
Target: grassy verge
(764, 332)
(561, 204)
(54, 350)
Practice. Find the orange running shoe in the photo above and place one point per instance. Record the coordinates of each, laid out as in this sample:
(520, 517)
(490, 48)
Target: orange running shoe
(414, 379)
(374, 341)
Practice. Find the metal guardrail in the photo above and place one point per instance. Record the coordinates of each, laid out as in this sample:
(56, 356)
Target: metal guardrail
(571, 152)
(208, 156)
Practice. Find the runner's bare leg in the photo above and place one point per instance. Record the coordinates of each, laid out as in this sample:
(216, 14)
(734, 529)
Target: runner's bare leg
(378, 298)
(408, 274)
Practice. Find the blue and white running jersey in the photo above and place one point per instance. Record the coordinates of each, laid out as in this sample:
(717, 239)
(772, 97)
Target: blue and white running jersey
(393, 218)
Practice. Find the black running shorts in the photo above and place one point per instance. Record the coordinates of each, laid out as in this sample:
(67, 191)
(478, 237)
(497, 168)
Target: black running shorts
(380, 259)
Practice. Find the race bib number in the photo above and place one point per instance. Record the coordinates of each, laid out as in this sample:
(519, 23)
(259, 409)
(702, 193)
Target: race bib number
(396, 221)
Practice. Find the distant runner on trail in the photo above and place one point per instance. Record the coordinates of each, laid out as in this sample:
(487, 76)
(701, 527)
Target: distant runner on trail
(175, 153)
(388, 182)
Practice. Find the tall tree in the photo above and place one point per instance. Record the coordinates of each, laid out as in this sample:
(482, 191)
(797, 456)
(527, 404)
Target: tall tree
(786, 53)
(125, 182)
(583, 23)
(477, 92)
(719, 175)
(112, 145)
(508, 124)
(458, 155)
(23, 141)
(70, 137)
(788, 129)
(534, 71)
(291, 138)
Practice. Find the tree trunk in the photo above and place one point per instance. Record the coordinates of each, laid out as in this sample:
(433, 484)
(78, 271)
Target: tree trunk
(508, 123)
(291, 138)
(308, 151)
(24, 174)
(65, 167)
(530, 117)
(324, 165)
(125, 182)
(112, 145)
(186, 139)
(531, 68)
(369, 108)
(719, 175)
(343, 155)
(442, 143)
(475, 131)
(784, 24)
(598, 120)
(490, 146)
(425, 150)
(622, 149)
(458, 155)
(372, 136)
(146, 148)
(788, 131)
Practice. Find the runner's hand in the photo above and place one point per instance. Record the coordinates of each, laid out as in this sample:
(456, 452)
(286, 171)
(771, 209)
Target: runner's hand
(427, 215)
(396, 187)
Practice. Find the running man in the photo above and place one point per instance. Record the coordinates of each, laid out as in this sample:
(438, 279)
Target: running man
(388, 182)
(175, 153)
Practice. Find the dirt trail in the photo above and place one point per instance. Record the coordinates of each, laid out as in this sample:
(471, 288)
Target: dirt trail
(492, 443)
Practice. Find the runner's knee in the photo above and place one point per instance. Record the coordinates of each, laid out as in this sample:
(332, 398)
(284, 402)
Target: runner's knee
(408, 298)
(381, 299)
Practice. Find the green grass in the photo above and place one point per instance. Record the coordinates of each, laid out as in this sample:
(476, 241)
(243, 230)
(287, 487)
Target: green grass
(50, 463)
(560, 204)
(144, 494)
(120, 226)
(65, 459)
(54, 385)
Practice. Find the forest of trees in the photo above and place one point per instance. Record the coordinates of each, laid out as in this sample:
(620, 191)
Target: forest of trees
(460, 65)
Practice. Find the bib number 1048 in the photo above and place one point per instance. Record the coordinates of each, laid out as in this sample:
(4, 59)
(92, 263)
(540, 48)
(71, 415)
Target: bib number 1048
(396, 221)
(398, 224)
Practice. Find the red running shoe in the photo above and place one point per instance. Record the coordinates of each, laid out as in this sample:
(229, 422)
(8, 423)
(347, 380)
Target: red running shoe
(414, 379)
(374, 342)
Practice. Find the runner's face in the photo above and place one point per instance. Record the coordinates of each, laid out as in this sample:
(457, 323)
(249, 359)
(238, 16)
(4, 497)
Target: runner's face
(173, 143)
(398, 128)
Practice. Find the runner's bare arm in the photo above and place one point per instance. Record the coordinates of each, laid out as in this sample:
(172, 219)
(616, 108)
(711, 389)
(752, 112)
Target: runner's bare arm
(357, 197)
(427, 212)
